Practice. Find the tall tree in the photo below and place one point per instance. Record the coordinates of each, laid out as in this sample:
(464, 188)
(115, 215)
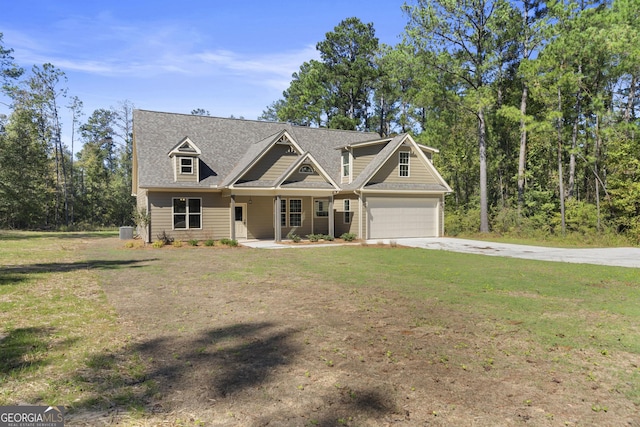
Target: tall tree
(200, 112)
(40, 93)
(348, 54)
(75, 106)
(463, 38)
(9, 71)
(531, 36)
(305, 101)
(25, 181)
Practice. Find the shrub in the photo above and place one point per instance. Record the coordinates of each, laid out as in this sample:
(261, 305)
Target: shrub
(328, 238)
(314, 237)
(165, 238)
(158, 244)
(293, 236)
(177, 243)
(348, 237)
(209, 242)
(129, 245)
(193, 242)
(229, 242)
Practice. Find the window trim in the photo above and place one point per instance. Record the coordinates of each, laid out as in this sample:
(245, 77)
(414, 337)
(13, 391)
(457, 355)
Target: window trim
(346, 204)
(283, 212)
(291, 212)
(286, 212)
(306, 169)
(346, 155)
(186, 214)
(325, 204)
(181, 167)
(406, 164)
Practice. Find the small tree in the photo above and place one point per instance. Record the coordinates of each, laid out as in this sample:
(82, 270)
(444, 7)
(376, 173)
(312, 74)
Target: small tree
(142, 219)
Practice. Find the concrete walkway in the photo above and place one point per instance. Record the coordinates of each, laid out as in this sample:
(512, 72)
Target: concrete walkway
(621, 257)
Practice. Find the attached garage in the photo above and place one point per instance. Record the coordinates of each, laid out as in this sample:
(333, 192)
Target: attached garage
(397, 217)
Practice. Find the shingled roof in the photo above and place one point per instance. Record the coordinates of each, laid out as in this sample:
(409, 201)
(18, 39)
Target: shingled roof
(226, 144)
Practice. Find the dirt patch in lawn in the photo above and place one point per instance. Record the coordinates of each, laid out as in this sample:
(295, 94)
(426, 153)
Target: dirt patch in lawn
(227, 340)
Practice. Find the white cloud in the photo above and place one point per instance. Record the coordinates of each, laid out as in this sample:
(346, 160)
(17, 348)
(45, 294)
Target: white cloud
(104, 47)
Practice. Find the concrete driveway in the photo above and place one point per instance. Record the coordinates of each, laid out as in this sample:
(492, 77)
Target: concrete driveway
(621, 257)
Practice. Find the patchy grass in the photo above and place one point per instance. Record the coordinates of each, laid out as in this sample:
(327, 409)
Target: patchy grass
(55, 320)
(353, 335)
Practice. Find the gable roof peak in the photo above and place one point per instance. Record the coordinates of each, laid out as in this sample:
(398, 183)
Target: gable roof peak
(185, 147)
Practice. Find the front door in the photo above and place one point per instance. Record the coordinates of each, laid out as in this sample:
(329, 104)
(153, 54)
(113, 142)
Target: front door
(241, 221)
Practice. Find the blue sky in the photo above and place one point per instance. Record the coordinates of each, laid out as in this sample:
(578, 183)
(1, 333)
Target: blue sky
(228, 57)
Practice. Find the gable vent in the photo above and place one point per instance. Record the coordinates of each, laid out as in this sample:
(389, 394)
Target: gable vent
(186, 148)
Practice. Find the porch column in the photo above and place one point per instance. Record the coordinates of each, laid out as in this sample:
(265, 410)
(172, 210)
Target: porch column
(332, 229)
(277, 227)
(232, 217)
(361, 217)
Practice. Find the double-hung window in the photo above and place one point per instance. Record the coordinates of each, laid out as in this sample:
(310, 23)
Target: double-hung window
(291, 213)
(346, 164)
(295, 212)
(187, 213)
(403, 163)
(186, 165)
(322, 208)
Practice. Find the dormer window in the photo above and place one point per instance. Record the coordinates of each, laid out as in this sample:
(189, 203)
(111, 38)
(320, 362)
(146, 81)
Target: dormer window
(346, 164)
(186, 165)
(185, 156)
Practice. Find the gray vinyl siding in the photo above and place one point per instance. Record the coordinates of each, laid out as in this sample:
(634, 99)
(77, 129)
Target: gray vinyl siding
(259, 216)
(272, 165)
(193, 177)
(338, 207)
(418, 172)
(363, 156)
(305, 177)
(215, 216)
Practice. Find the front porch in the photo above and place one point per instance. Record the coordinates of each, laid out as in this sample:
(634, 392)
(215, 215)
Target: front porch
(260, 217)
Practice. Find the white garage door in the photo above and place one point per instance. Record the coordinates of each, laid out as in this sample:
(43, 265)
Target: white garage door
(390, 218)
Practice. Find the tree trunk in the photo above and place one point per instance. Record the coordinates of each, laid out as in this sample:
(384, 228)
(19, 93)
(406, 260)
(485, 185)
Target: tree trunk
(482, 142)
(574, 138)
(560, 179)
(628, 111)
(522, 158)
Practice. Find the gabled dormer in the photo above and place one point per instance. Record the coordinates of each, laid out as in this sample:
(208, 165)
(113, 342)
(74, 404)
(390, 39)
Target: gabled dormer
(185, 158)
(355, 157)
(277, 154)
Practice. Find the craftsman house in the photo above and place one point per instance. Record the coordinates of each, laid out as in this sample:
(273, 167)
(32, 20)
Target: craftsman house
(211, 178)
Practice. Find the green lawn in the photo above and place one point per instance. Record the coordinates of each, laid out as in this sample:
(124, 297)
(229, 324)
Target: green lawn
(56, 324)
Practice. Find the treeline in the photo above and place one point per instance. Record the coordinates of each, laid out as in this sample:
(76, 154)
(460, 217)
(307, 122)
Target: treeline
(42, 186)
(532, 104)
